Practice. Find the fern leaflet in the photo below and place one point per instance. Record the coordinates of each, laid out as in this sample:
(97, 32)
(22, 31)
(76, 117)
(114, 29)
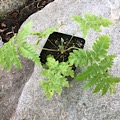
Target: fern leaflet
(91, 21)
(28, 51)
(25, 31)
(46, 32)
(9, 56)
(88, 57)
(56, 75)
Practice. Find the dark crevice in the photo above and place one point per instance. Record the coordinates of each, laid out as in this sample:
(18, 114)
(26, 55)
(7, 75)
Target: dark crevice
(11, 23)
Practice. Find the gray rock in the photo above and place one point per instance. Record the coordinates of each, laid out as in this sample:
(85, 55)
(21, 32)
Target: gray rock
(11, 85)
(115, 8)
(73, 104)
(1, 42)
(10, 5)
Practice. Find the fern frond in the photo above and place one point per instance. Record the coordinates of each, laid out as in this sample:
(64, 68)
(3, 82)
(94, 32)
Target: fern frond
(91, 21)
(9, 56)
(26, 50)
(87, 57)
(96, 64)
(106, 82)
(9, 53)
(92, 82)
(29, 51)
(65, 69)
(25, 31)
(101, 45)
(46, 32)
(96, 68)
(80, 57)
(102, 82)
(56, 75)
(54, 84)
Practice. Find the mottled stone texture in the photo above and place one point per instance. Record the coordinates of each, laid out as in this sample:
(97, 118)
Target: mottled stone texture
(11, 85)
(10, 5)
(73, 104)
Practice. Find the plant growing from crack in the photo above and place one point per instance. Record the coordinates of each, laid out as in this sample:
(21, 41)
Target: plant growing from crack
(97, 62)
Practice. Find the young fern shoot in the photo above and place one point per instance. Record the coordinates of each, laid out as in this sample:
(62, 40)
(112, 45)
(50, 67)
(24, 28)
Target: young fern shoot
(56, 76)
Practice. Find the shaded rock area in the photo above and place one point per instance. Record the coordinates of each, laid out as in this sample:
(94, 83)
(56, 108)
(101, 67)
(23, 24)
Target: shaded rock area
(10, 22)
(11, 85)
(10, 5)
(73, 104)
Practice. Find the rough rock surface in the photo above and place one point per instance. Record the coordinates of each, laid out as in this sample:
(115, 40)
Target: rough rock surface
(11, 85)
(10, 5)
(73, 104)
(1, 43)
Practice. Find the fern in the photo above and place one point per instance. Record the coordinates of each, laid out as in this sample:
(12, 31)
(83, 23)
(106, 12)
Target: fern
(107, 83)
(24, 32)
(91, 21)
(9, 53)
(56, 75)
(87, 57)
(9, 56)
(96, 68)
(96, 63)
(44, 33)
(28, 51)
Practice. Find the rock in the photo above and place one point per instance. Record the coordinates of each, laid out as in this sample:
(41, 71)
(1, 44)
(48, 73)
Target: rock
(10, 5)
(1, 42)
(11, 85)
(73, 104)
(115, 8)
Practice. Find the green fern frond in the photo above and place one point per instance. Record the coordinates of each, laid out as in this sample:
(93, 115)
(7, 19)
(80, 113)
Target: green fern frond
(91, 21)
(96, 68)
(101, 45)
(55, 84)
(87, 57)
(106, 82)
(46, 32)
(9, 56)
(9, 53)
(96, 64)
(56, 75)
(102, 82)
(29, 51)
(24, 32)
(79, 57)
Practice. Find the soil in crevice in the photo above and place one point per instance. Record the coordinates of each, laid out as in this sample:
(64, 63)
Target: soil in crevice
(12, 21)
